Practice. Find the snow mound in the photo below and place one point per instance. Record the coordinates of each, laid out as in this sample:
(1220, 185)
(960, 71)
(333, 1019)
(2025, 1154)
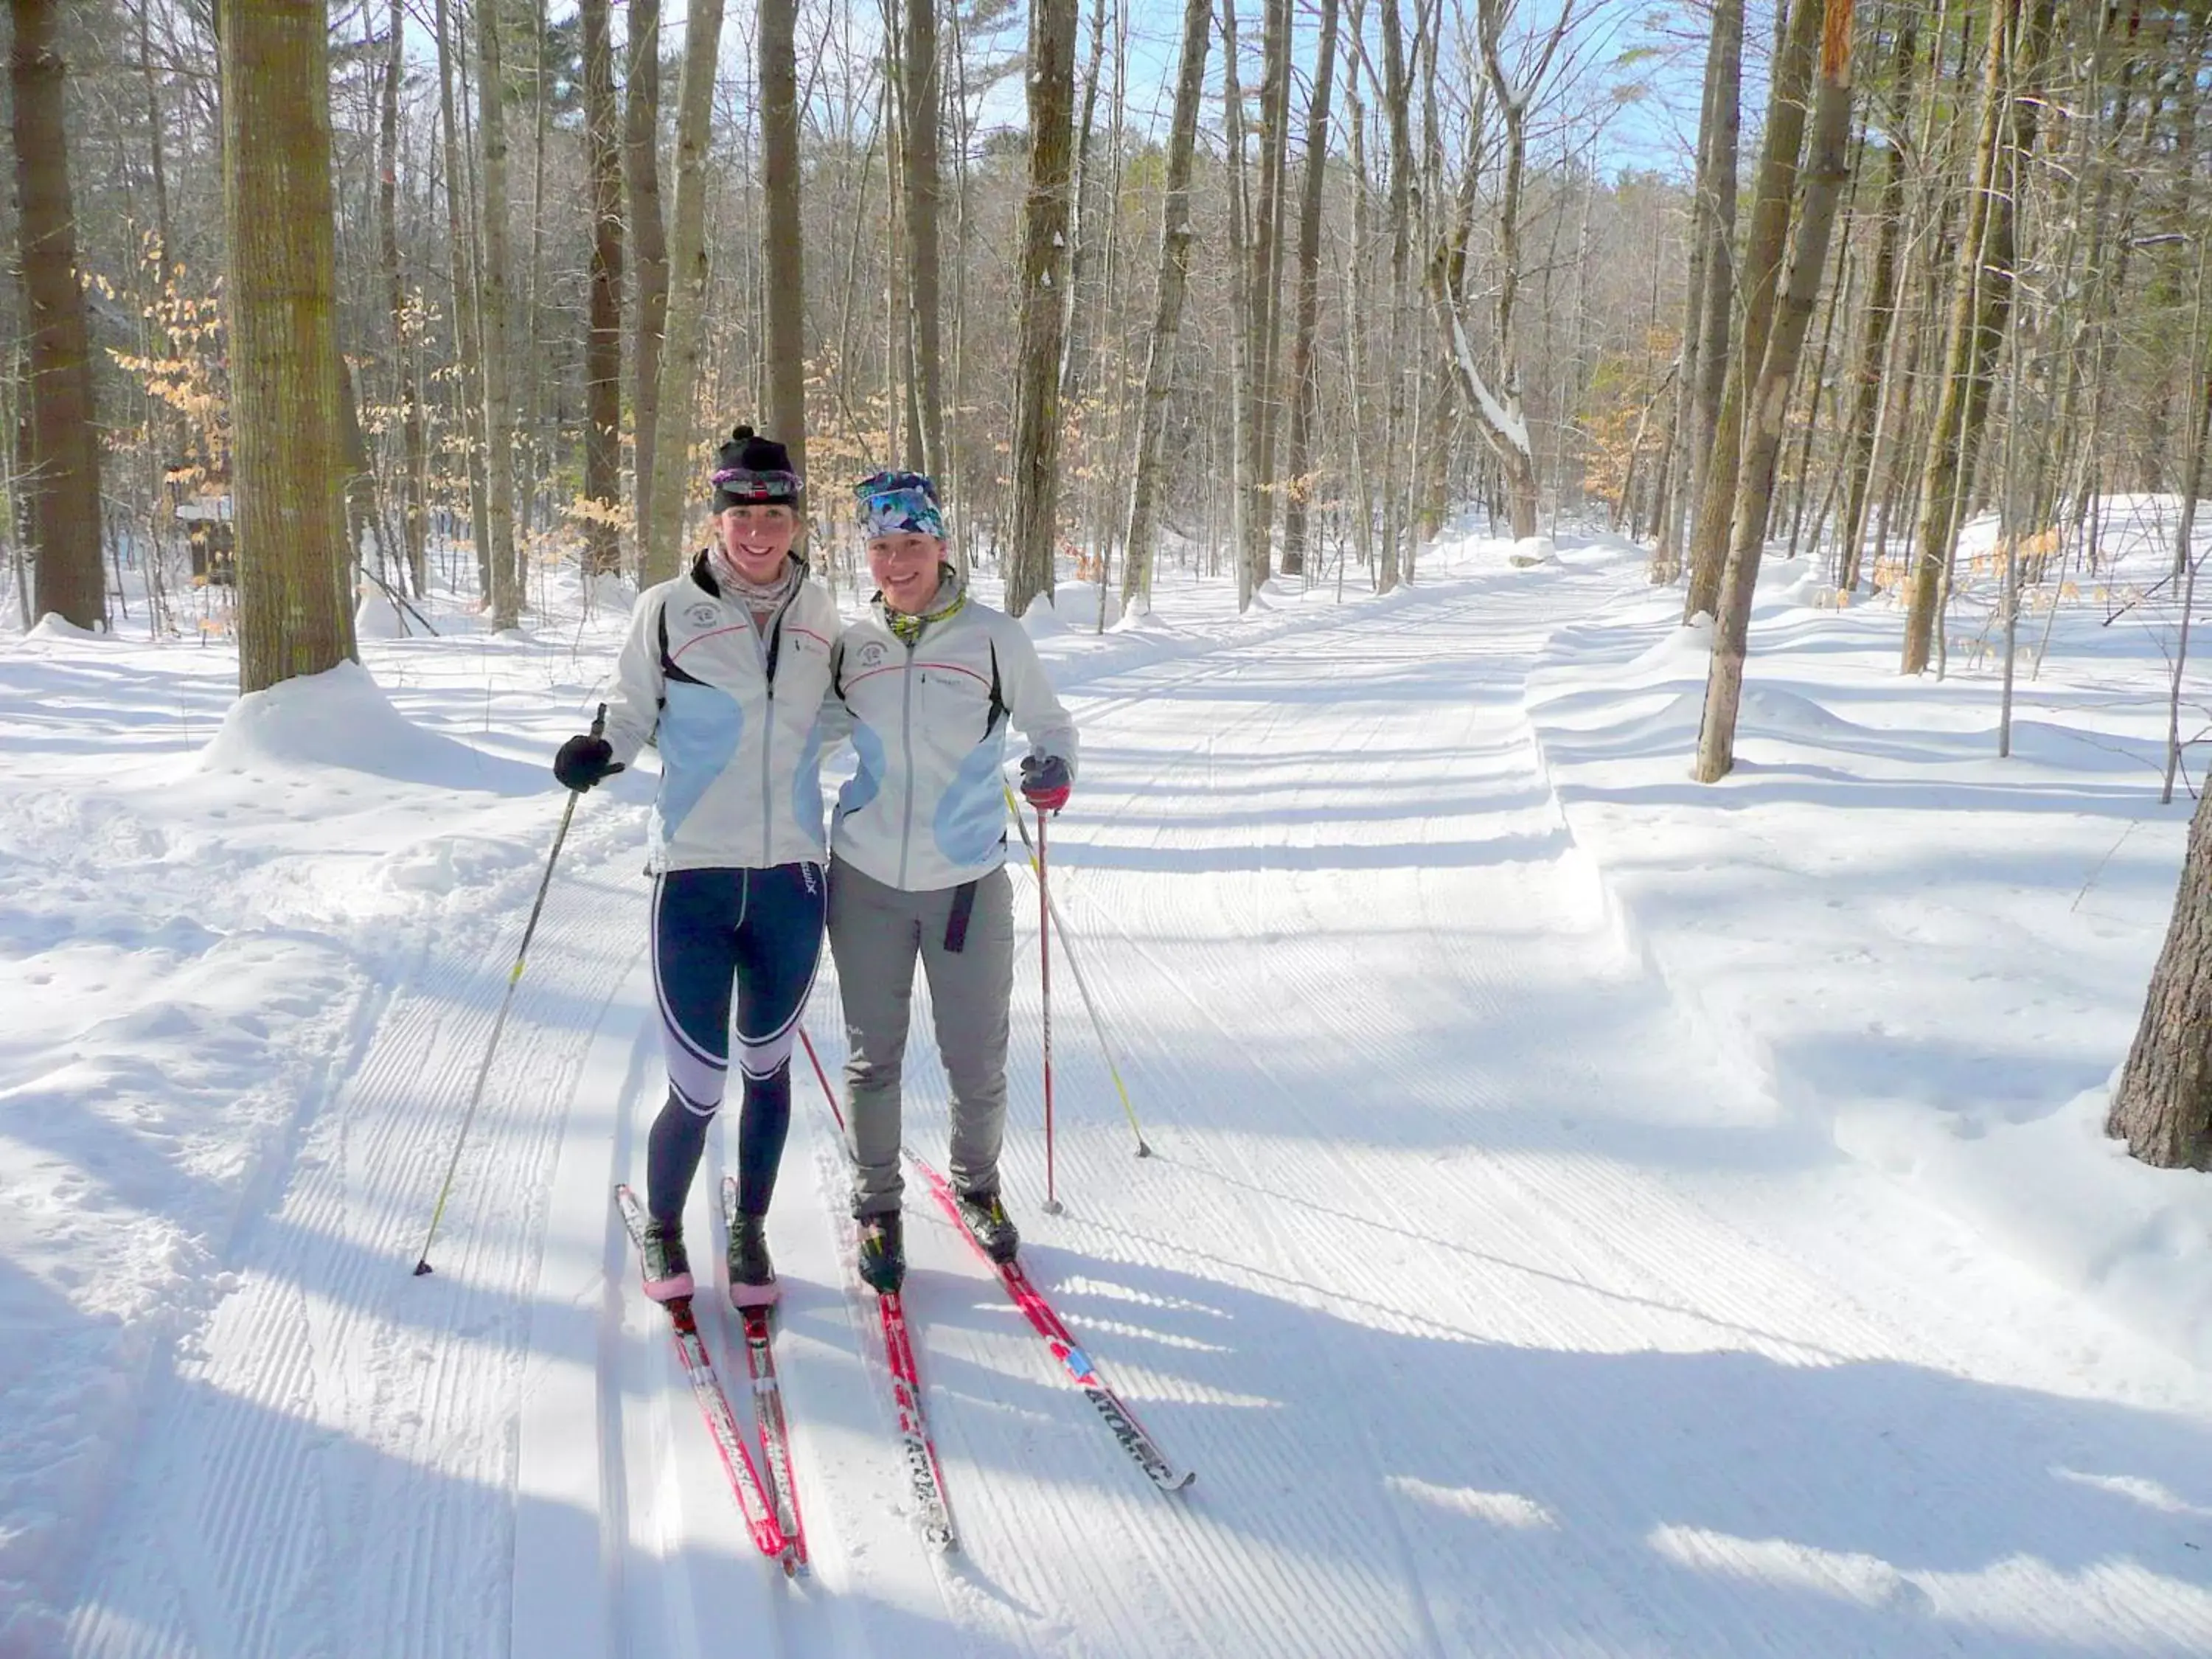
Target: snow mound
(1041, 621)
(341, 719)
(53, 626)
(1786, 577)
(1532, 551)
(1812, 586)
(1139, 617)
(1684, 650)
(376, 617)
(1787, 712)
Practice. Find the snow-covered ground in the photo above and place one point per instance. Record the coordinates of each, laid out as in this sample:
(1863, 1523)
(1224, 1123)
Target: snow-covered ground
(1593, 1213)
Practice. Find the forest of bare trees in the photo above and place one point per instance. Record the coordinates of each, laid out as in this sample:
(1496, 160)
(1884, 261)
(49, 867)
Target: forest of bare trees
(1236, 289)
(1276, 290)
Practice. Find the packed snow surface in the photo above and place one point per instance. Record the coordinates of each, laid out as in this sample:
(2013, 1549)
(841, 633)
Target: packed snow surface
(1592, 1213)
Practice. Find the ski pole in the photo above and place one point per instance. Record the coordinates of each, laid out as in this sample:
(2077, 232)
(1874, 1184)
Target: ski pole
(828, 1093)
(1052, 1204)
(505, 1002)
(1083, 988)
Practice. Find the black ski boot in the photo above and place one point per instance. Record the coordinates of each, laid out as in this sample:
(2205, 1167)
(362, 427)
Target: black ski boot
(752, 1275)
(667, 1269)
(882, 1252)
(986, 1218)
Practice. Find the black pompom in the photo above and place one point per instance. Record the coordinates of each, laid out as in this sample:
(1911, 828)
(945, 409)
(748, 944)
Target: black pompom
(741, 435)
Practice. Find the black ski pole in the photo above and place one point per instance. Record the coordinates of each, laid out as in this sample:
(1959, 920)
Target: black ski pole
(505, 1002)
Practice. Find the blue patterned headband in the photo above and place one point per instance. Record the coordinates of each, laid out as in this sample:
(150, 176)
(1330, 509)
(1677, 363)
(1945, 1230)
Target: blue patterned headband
(898, 504)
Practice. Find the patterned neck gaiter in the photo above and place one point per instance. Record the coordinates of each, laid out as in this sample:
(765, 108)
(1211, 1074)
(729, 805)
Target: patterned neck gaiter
(951, 596)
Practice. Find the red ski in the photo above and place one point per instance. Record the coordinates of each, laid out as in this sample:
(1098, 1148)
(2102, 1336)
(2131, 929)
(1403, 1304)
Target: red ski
(1118, 1418)
(714, 1407)
(768, 1408)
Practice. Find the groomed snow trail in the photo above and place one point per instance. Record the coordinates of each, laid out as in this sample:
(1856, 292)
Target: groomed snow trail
(1449, 1278)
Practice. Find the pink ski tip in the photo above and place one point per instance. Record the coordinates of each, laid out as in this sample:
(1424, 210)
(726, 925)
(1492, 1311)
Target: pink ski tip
(755, 1295)
(672, 1289)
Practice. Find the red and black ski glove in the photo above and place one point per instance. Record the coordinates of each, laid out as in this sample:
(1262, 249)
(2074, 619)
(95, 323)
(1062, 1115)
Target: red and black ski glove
(1045, 781)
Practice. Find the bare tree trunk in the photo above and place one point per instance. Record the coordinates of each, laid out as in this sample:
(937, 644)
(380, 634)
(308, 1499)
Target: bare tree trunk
(466, 329)
(1769, 237)
(1079, 238)
(780, 182)
(1717, 224)
(1243, 424)
(403, 375)
(1397, 94)
(1712, 232)
(1304, 385)
(1043, 268)
(1264, 294)
(2162, 1105)
(292, 618)
(603, 337)
(1981, 306)
(1827, 165)
(1167, 306)
(498, 411)
(62, 481)
(1857, 458)
(649, 237)
(660, 551)
(924, 192)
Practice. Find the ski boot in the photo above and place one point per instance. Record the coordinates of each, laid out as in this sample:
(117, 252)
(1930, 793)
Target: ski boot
(882, 1252)
(987, 1219)
(667, 1269)
(752, 1275)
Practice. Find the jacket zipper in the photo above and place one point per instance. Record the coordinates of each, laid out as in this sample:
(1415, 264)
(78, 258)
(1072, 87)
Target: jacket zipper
(906, 746)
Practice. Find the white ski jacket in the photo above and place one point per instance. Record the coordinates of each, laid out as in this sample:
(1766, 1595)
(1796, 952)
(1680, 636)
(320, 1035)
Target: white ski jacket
(927, 808)
(741, 716)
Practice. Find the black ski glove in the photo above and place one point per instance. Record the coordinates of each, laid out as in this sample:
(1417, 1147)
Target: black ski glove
(585, 760)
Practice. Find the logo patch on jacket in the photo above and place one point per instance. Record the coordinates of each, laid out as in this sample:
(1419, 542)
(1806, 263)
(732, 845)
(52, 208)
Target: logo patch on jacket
(871, 654)
(702, 615)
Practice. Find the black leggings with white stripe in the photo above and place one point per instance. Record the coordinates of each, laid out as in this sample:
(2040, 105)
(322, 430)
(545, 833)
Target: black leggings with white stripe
(757, 933)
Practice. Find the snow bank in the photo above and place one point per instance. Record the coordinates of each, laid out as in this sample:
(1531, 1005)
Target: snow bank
(340, 719)
(1532, 551)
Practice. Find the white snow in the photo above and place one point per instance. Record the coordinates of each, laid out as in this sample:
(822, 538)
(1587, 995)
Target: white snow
(1592, 1211)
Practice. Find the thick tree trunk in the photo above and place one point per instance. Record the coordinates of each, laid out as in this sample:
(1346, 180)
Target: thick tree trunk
(62, 481)
(288, 478)
(1142, 525)
(1264, 297)
(603, 335)
(787, 275)
(648, 241)
(1243, 420)
(1043, 269)
(499, 408)
(661, 551)
(924, 192)
(1768, 235)
(1827, 164)
(2162, 1106)
(412, 458)
(1304, 388)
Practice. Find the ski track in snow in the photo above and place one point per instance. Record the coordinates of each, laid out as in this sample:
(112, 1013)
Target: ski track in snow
(1429, 1281)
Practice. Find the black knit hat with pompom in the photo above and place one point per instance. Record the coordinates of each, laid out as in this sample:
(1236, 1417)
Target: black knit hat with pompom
(749, 469)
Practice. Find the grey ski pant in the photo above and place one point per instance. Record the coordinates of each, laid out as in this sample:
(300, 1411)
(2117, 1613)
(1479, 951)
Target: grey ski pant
(876, 931)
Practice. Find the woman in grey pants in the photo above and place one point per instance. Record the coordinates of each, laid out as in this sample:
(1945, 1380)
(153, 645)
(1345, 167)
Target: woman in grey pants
(932, 678)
